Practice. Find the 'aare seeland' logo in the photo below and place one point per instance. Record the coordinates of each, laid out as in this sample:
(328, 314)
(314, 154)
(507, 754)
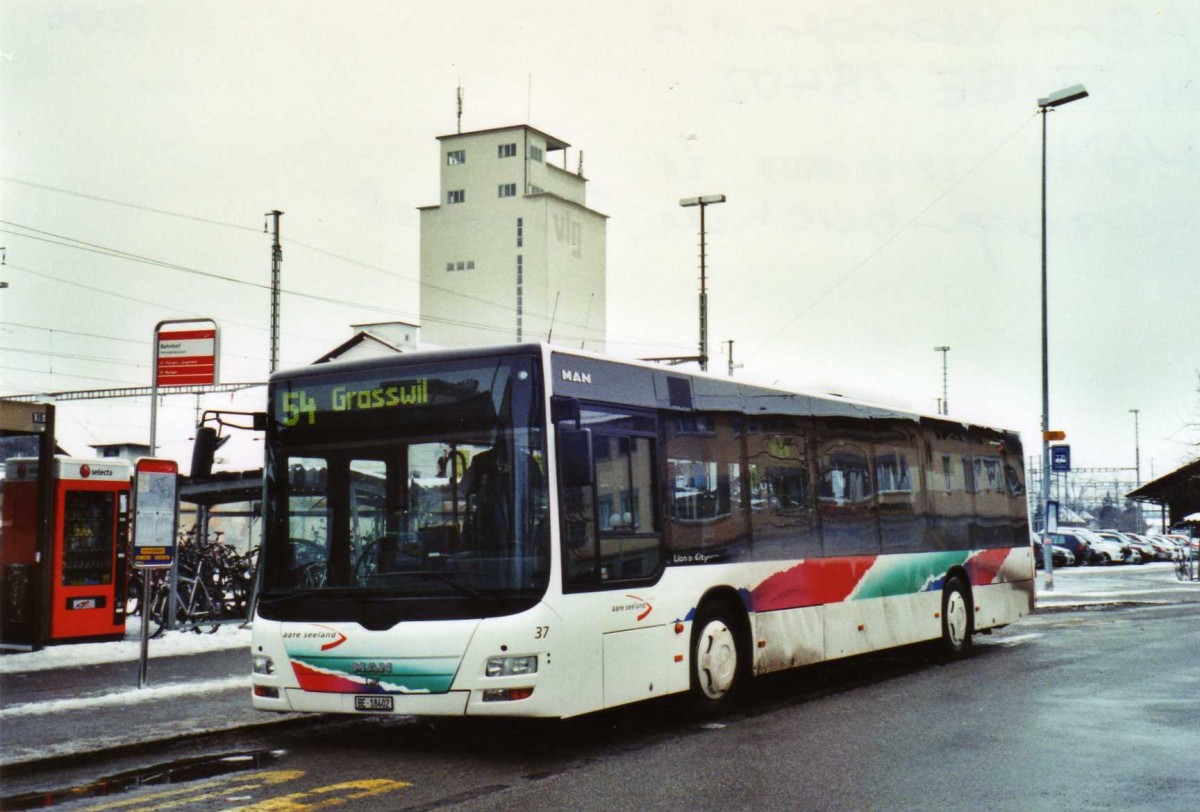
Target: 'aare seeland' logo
(642, 606)
(332, 637)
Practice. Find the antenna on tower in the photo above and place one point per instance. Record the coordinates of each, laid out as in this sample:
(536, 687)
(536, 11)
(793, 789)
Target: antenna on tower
(586, 320)
(553, 316)
(580, 172)
(460, 99)
(529, 101)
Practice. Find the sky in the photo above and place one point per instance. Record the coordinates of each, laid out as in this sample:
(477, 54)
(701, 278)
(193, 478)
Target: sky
(882, 164)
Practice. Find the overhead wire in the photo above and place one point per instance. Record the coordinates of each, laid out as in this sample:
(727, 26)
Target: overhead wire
(147, 302)
(75, 356)
(72, 375)
(139, 342)
(845, 277)
(126, 204)
(103, 250)
(74, 333)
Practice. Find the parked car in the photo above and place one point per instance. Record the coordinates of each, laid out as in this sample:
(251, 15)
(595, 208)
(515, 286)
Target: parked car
(1101, 550)
(1163, 550)
(1177, 547)
(1186, 544)
(1133, 554)
(1077, 544)
(1144, 549)
(1062, 556)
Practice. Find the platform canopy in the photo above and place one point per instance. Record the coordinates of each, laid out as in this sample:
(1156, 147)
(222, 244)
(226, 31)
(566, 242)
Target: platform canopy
(1177, 491)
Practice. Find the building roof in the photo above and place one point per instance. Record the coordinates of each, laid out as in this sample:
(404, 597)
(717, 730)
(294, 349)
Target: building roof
(552, 143)
(562, 199)
(357, 339)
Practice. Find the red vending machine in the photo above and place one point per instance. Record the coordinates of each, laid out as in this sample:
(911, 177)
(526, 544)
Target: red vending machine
(86, 562)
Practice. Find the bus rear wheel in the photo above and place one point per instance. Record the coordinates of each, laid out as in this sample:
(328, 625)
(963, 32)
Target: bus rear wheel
(719, 661)
(956, 619)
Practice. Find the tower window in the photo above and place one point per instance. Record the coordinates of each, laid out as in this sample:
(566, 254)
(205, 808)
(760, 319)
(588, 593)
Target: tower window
(508, 190)
(457, 156)
(456, 196)
(508, 151)
(520, 232)
(535, 153)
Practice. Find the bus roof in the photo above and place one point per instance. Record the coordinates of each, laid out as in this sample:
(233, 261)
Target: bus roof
(592, 376)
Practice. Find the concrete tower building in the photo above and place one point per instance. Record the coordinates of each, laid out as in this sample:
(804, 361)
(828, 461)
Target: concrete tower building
(511, 238)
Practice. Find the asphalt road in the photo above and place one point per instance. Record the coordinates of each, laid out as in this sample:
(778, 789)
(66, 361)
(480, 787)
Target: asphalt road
(1081, 709)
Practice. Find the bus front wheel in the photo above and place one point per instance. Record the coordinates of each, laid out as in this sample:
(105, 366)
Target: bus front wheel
(956, 619)
(719, 662)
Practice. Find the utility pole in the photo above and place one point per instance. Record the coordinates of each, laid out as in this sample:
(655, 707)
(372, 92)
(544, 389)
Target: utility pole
(276, 268)
(732, 366)
(703, 202)
(945, 403)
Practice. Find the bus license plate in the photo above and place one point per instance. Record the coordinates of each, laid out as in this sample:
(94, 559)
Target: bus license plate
(374, 703)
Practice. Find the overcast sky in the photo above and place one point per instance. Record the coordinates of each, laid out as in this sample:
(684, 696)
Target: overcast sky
(882, 163)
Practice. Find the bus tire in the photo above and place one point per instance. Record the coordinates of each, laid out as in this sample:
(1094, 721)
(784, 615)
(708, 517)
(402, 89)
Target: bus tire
(720, 659)
(957, 626)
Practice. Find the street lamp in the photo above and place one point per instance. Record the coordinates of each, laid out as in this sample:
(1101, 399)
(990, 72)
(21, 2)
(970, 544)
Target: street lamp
(703, 202)
(1045, 105)
(945, 405)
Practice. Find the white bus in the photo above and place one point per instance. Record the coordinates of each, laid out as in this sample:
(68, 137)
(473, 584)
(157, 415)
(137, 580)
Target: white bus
(529, 531)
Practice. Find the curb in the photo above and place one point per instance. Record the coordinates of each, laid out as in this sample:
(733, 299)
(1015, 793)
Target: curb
(60, 761)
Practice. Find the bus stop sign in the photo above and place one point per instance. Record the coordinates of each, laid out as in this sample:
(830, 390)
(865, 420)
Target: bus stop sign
(155, 511)
(1060, 458)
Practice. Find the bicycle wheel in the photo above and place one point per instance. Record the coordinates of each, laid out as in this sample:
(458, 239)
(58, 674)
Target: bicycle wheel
(200, 613)
(133, 594)
(157, 609)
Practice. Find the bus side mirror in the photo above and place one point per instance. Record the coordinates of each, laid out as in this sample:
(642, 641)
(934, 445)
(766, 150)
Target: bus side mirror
(203, 452)
(575, 457)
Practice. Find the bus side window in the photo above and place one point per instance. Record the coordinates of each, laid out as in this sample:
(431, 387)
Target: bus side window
(629, 547)
(607, 496)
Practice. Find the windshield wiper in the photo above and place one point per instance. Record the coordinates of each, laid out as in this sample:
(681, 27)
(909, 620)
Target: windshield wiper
(288, 597)
(446, 579)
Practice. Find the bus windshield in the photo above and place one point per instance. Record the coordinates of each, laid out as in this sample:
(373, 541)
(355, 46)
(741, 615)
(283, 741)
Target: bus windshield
(419, 485)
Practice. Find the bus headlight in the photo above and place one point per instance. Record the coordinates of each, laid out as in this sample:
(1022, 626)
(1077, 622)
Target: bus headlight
(511, 666)
(263, 665)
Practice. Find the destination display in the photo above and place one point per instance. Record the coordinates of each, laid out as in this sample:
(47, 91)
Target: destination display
(423, 393)
(304, 405)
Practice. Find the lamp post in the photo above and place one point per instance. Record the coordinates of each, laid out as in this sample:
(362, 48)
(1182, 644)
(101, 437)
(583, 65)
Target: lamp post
(703, 202)
(945, 406)
(1045, 105)
(1137, 463)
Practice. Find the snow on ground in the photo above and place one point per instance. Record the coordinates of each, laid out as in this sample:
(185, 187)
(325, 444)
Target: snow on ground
(171, 644)
(127, 697)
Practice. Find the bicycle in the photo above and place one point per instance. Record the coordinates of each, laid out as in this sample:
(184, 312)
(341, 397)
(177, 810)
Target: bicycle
(1185, 568)
(195, 609)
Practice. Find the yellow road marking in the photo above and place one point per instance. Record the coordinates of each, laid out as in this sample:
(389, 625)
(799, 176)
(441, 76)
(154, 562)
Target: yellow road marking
(202, 791)
(325, 797)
